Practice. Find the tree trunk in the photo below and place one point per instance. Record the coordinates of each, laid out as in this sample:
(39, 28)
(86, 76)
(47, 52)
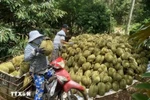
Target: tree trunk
(130, 17)
(110, 3)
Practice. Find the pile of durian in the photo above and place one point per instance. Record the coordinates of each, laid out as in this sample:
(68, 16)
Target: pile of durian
(104, 62)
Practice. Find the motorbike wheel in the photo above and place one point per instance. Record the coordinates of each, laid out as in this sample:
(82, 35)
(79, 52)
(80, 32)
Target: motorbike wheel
(74, 94)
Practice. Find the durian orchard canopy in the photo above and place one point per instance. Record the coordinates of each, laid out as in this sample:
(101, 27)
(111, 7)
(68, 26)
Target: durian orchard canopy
(104, 62)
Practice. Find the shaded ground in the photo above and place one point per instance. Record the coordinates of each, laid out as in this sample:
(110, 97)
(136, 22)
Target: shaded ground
(122, 95)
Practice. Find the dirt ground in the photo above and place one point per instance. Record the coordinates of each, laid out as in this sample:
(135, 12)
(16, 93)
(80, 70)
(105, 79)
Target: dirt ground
(122, 95)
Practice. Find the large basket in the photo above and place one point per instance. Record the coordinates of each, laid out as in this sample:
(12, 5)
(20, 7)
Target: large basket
(10, 84)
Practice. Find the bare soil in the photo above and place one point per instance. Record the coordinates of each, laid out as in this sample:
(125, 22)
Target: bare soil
(122, 95)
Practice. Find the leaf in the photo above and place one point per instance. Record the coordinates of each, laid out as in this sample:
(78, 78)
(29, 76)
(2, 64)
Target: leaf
(141, 35)
(146, 75)
(139, 96)
(143, 86)
(6, 34)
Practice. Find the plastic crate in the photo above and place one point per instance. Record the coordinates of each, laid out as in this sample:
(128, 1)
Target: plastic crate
(10, 84)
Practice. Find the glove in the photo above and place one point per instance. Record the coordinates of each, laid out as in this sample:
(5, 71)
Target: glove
(39, 50)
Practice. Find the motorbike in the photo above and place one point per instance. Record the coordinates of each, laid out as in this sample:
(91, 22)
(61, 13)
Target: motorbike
(60, 86)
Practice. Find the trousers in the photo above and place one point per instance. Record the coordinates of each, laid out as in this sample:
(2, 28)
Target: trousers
(39, 83)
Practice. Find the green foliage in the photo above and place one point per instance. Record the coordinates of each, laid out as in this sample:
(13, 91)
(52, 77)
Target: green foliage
(18, 49)
(142, 12)
(83, 16)
(139, 96)
(143, 86)
(11, 43)
(23, 16)
(141, 15)
(7, 37)
(120, 10)
(94, 18)
(27, 15)
(143, 92)
(72, 9)
(142, 35)
(6, 34)
(134, 28)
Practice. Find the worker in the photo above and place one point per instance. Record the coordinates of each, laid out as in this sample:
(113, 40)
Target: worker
(38, 61)
(59, 40)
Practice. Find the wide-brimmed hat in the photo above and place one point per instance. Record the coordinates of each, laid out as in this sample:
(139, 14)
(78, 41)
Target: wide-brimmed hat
(34, 35)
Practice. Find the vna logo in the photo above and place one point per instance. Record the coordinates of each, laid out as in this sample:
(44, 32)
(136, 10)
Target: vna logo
(20, 94)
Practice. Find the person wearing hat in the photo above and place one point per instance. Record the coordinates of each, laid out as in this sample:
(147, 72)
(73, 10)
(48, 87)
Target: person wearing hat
(38, 61)
(59, 40)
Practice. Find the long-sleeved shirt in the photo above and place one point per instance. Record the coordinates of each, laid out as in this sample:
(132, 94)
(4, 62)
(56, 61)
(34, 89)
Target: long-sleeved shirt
(38, 63)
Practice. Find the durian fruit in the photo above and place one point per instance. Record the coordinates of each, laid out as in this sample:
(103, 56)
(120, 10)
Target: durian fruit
(86, 66)
(27, 80)
(91, 58)
(123, 84)
(88, 73)
(95, 79)
(81, 60)
(129, 79)
(107, 61)
(8, 65)
(17, 60)
(86, 81)
(109, 57)
(72, 74)
(93, 90)
(16, 73)
(24, 67)
(85, 90)
(47, 45)
(101, 88)
(97, 66)
(115, 86)
(3, 68)
(78, 76)
(108, 86)
(86, 53)
(99, 59)
(106, 79)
